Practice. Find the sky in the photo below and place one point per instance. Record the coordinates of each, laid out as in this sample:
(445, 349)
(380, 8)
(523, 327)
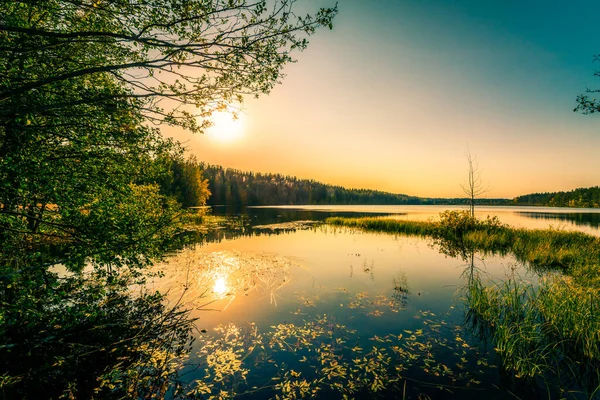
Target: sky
(399, 91)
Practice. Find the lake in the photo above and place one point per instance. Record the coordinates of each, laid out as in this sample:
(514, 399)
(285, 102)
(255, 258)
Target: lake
(289, 308)
(580, 219)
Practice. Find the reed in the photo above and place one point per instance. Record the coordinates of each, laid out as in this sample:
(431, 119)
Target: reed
(552, 329)
(417, 228)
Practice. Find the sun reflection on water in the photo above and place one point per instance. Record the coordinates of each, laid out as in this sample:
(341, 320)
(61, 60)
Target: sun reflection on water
(220, 286)
(215, 280)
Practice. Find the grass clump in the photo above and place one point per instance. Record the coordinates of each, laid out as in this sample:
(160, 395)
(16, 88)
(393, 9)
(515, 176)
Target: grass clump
(374, 224)
(507, 314)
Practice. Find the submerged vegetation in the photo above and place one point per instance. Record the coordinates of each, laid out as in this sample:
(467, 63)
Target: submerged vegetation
(321, 357)
(549, 328)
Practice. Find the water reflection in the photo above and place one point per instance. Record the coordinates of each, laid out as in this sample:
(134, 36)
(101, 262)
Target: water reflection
(586, 220)
(281, 221)
(320, 298)
(220, 287)
(395, 314)
(220, 280)
(400, 292)
(282, 214)
(569, 219)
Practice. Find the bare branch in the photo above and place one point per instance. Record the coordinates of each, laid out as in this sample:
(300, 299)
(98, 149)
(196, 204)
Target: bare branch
(474, 186)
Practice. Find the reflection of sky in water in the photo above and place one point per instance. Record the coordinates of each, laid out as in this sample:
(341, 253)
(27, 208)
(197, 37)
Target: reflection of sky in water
(373, 283)
(283, 277)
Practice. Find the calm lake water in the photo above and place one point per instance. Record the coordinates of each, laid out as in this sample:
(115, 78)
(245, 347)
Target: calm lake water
(286, 307)
(581, 219)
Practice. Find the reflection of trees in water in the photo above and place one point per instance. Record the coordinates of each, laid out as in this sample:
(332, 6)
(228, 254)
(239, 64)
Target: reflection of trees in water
(583, 219)
(90, 335)
(84, 339)
(219, 235)
(400, 291)
(265, 216)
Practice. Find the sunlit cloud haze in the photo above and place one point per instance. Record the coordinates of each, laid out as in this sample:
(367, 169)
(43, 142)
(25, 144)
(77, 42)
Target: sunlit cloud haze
(399, 91)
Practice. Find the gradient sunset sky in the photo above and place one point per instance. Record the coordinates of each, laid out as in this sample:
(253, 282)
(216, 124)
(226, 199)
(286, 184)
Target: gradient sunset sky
(399, 91)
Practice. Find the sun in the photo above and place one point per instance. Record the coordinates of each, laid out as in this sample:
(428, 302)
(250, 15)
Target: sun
(227, 127)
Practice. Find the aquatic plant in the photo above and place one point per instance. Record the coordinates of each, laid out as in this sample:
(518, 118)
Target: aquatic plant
(320, 357)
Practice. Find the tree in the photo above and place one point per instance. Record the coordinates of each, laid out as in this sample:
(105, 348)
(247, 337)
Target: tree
(84, 85)
(187, 184)
(204, 54)
(474, 187)
(82, 82)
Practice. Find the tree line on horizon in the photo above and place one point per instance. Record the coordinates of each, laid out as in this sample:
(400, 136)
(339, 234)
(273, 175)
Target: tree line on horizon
(195, 183)
(232, 187)
(580, 198)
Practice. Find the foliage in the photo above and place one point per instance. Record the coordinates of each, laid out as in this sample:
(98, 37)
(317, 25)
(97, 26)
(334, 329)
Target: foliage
(240, 188)
(185, 182)
(541, 330)
(203, 54)
(233, 187)
(80, 83)
(72, 146)
(83, 88)
(588, 105)
(454, 227)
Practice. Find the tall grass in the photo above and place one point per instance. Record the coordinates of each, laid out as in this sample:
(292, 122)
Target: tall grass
(553, 328)
(417, 228)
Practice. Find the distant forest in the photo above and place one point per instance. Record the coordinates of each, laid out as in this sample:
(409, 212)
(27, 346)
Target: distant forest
(193, 183)
(233, 187)
(582, 197)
